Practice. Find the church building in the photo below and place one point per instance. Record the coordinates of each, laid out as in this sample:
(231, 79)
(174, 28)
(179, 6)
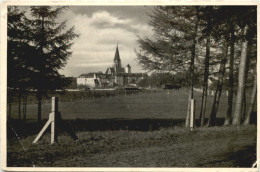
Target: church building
(114, 76)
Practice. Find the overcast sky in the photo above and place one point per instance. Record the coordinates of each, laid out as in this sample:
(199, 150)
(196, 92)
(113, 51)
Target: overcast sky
(100, 29)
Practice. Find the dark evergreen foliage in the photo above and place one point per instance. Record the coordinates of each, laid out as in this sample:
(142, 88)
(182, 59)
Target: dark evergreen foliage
(37, 49)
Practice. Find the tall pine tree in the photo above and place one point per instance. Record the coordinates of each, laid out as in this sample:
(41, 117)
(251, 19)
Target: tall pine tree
(173, 47)
(18, 50)
(52, 44)
(247, 24)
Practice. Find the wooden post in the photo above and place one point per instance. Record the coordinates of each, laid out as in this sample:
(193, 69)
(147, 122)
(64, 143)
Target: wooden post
(53, 134)
(54, 104)
(51, 121)
(42, 131)
(192, 112)
(55, 118)
(53, 114)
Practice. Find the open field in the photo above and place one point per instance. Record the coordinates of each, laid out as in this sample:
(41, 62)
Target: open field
(159, 105)
(139, 130)
(173, 147)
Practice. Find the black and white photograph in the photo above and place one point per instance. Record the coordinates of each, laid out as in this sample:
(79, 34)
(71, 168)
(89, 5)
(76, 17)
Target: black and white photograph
(135, 86)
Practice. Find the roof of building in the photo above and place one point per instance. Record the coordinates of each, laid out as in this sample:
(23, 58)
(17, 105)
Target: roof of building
(115, 70)
(111, 69)
(128, 65)
(132, 74)
(110, 76)
(120, 70)
(91, 75)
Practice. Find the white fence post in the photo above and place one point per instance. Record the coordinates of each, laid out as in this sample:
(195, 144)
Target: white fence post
(51, 121)
(192, 112)
(54, 109)
(55, 118)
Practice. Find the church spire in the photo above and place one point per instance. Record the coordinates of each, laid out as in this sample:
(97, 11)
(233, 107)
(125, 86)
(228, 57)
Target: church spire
(117, 60)
(117, 56)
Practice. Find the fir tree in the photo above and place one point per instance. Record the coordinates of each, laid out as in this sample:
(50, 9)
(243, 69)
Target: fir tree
(18, 50)
(52, 44)
(173, 46)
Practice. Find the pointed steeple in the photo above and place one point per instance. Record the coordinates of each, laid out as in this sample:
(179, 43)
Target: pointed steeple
(117, 56)
(117, 60)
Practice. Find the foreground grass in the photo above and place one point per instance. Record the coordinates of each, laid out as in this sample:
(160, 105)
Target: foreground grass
(230, 146)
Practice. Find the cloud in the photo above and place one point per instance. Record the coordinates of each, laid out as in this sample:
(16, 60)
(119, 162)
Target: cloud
(100, 32)
(102, 19)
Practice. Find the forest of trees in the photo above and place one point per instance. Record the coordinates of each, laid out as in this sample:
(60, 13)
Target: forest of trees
(159, 80)
(216, 42)
(38, 46)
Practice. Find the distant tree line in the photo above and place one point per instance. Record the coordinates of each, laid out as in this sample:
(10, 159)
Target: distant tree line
(37, 48)
(214, 42)
(159, 80)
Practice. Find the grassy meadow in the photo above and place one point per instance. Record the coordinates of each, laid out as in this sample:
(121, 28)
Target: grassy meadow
(139, 129)
(135, 105)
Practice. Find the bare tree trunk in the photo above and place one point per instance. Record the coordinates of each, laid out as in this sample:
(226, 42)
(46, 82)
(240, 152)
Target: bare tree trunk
(241, 83)
(193, 53)
(19, 104)
(10, 103)
(39, 98)
(244, 96)
(10, 108)
(252, 102)
(23, 110)
(25, 107)
(231, 79)
(187, 122)
(205, 83)
(214, 109)
(244, 106)
(39, 91)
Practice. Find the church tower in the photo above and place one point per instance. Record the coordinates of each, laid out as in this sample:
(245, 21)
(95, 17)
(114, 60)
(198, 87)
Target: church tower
(128, 69)
(117, 60)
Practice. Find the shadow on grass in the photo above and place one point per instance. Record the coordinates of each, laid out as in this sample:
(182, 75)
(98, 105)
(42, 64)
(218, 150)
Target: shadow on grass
(31, 127)
(245, 157)
(27, 128)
